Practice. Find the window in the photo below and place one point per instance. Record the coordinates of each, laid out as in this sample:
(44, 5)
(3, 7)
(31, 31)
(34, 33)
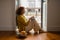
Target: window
(35, 8)
(32, 8)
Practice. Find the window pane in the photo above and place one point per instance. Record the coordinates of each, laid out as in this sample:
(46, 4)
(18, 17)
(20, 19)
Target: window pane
(30, 3)
(32, 7)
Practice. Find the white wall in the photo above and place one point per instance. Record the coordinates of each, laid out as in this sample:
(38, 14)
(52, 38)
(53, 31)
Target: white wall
(53, 15)
(7, 15)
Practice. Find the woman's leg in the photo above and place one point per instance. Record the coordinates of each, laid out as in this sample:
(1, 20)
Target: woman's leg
(29, 27)
(36, 26)
(32, 25)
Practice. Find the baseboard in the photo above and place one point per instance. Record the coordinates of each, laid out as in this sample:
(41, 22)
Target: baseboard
(7, 28)
(9, 32)
(53, 28)
(55, 32)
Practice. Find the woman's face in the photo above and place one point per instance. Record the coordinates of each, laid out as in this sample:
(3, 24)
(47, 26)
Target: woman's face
(23, 11)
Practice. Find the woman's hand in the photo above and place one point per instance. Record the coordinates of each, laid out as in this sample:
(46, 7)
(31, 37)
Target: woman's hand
(31, 17)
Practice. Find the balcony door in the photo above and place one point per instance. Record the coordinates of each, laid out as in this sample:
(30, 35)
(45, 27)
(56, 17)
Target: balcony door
(36, 8)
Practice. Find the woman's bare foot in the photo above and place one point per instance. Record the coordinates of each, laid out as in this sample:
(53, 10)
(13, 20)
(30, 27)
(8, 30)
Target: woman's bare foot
(41, 31)
(35, 33)
(28, 33)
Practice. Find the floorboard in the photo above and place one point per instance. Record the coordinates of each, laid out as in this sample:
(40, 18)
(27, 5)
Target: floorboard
(41, 36)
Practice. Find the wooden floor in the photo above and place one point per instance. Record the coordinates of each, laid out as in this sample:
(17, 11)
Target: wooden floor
(42, 36)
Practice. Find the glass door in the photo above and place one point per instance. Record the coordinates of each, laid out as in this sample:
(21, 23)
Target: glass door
(33, 8)
(36, 8)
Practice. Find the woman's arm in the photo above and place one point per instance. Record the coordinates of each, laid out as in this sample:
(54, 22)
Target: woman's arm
(30, 19)
(23, 21)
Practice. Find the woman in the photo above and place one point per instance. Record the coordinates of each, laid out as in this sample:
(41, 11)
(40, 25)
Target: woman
(22, 22)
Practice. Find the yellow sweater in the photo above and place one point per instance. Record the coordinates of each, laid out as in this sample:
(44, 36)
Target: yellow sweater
(21, 22)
